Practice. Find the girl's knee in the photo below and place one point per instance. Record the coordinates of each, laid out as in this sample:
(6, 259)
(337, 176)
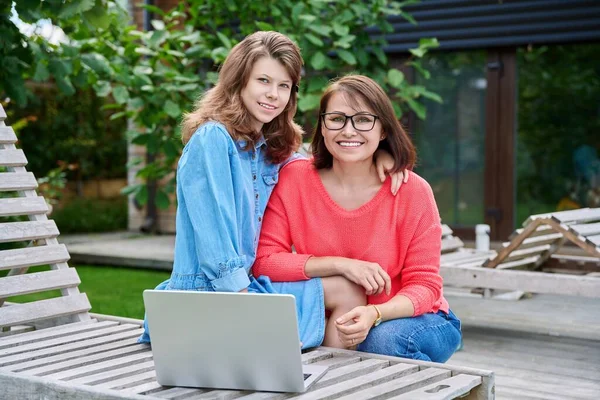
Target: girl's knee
(340, 292)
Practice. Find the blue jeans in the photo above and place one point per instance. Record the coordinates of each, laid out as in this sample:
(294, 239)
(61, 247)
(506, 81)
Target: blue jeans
(428, 337)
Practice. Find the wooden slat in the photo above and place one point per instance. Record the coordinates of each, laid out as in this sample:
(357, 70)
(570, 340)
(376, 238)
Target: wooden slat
(541, 230)
(12, 158)
(2, 113)
(585, 229)
(316, 355)
(351, 371)
(451, 244)
(129, 380)
(93, 350)
(446, 231)
(144, 388)
(460, 257)
(38, 282)
(43, 344)
(361, 382)
(564, 214)
(7, 135)
(70, 370)
(120, 339)
(537, 240)
(401, 385)
(518, 263)
(576, 216)
(31, 256)
(120, 356)
(474, 260)
(114, 374)
(594, 240)
(23, 206)
(17, 181)
(23, 313)
(529, 281)
(338, 361)
(446, 389)
(527, 252)
(184, 393)
(54, 332)
(29, 230)
(15, 386)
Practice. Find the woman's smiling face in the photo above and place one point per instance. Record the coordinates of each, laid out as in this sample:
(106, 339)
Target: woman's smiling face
(349, 144)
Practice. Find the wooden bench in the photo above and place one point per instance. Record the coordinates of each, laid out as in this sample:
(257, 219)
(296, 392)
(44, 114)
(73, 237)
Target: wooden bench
(55, 349)
(519, 265)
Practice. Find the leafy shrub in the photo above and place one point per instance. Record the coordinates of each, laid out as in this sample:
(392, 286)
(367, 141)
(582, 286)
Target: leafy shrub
(91, 215)
(72, 132)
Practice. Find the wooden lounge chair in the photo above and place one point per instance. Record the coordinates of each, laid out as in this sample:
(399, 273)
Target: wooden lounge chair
(519, 264)
(455, 253)
(54, 349)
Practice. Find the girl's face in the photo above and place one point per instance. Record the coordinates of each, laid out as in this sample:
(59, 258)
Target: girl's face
(348, 142)
(267, 92)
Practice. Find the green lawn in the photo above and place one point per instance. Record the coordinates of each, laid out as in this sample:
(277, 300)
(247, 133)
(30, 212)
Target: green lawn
(111, 290)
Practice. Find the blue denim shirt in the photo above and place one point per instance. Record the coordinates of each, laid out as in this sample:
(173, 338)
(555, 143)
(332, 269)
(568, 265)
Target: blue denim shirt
(222, 193)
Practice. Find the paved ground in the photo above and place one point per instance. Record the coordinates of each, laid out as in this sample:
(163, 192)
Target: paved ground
(121, 248)
(575, 317)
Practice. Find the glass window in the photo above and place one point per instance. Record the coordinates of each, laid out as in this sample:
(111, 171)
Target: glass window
(451, 140)
(558, 136)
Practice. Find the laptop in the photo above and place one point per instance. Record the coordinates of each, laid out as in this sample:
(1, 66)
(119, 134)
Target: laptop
(240, 341)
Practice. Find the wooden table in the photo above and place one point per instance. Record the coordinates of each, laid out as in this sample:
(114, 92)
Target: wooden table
(101, 360)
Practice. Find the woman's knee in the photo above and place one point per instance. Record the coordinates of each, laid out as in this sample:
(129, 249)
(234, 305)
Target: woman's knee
(339, 291)
(426, 338)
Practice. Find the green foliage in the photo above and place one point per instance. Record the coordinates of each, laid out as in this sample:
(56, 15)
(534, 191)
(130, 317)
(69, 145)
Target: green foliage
(91, 215)
(559, 89)
(154, 76)
(51, 186)
(72, 133)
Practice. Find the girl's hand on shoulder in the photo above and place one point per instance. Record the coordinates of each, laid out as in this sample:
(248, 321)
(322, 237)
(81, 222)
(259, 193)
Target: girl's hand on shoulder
(384, 164)
(354, 326)
(370, 276)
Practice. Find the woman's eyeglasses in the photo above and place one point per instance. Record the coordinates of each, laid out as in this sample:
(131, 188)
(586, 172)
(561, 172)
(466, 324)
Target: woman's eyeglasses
(361, 122)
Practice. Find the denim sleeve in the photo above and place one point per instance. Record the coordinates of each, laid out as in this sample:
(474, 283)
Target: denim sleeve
(295, 156)
(207, 186)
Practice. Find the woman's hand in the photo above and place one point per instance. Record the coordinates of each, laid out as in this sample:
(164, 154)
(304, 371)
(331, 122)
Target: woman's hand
(384, 163)
(354, 326)
(368, 275)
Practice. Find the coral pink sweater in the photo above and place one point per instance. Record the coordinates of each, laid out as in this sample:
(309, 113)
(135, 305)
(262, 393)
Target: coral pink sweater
(401, 233)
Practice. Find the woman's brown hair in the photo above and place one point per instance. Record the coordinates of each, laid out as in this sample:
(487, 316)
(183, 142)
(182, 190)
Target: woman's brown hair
(365, 92)
(223, 102)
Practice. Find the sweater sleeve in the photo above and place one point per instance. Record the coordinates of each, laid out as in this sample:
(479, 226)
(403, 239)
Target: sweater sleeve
(420, 276)
(275, 258)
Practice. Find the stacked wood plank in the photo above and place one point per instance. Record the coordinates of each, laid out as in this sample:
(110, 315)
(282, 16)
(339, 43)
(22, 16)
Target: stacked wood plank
(543, 235)
(74, 356)
(25, 227)
(454, 252)
(518, 265)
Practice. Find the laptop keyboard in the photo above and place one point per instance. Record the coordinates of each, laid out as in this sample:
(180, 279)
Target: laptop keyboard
(306, 376)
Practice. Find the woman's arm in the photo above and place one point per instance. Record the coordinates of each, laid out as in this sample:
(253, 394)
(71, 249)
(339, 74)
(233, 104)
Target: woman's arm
(205, 177)
(274, 257)
(421, 282)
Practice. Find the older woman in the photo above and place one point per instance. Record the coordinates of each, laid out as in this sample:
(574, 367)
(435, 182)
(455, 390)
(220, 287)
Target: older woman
(343, 221)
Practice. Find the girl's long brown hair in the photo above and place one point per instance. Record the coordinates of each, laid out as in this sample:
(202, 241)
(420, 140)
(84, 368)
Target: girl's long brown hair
(223, 103)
